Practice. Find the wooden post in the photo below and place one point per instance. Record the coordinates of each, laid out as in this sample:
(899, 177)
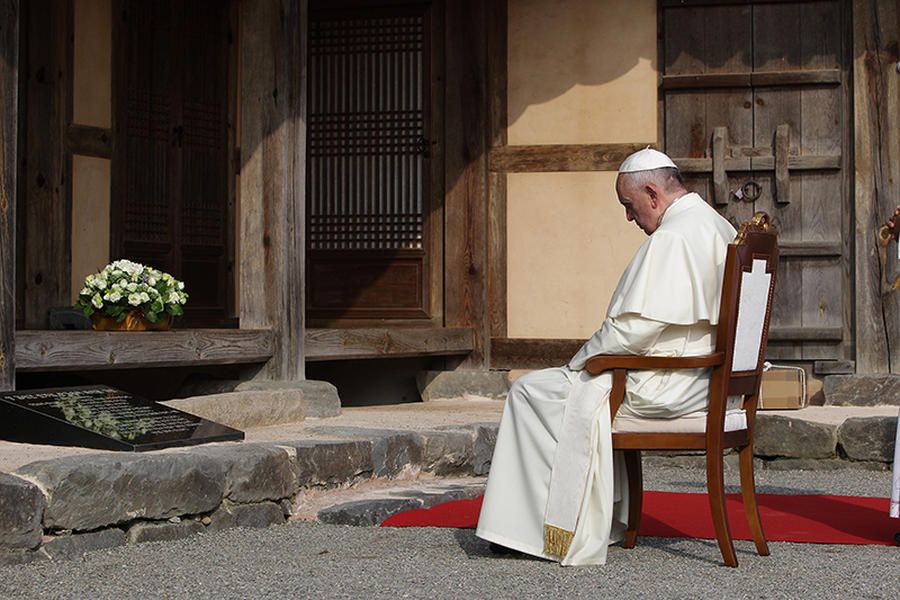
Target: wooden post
(9, 86)
(466, 175)
(497, 26)
(46, 200)
(876, 106)
(273, 183)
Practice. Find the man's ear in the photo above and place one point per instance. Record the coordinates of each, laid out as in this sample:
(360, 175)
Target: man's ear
(651, 191)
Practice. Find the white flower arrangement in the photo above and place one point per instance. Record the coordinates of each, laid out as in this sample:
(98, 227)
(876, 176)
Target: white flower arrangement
(124, 286)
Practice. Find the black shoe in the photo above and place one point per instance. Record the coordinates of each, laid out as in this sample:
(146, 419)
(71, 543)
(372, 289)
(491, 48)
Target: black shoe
(503, 550)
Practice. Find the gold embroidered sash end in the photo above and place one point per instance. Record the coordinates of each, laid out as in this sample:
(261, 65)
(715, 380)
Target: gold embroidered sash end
(557, 541)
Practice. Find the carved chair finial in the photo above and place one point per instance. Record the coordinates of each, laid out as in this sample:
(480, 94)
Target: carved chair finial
(759, 223)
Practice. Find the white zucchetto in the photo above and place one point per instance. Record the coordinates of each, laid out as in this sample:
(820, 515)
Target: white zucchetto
(647, 159)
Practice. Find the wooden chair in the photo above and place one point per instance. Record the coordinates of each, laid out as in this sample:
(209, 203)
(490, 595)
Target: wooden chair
(737, 365)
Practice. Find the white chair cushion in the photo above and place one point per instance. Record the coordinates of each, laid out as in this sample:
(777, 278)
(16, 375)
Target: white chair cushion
(735, 420)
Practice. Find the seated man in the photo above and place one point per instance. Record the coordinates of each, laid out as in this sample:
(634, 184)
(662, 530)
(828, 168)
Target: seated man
(555, 489)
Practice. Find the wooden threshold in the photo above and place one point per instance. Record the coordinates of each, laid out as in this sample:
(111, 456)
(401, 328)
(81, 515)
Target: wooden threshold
(346, 344)
(40, 350)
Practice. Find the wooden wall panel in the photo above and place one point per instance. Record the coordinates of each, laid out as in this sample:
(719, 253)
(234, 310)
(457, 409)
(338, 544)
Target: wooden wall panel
(876, 101)
(466, 173)
(272, 184)
(9, 70)
(47, 184)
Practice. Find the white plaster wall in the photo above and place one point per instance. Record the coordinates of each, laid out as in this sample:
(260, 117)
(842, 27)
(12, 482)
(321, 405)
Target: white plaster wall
(580, 72)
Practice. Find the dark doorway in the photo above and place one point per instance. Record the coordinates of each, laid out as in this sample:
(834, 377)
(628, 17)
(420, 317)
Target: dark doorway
(172, 188)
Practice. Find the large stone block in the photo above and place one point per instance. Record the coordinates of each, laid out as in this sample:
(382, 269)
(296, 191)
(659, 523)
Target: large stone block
(255, 472)
(868, 438)
(861, 390)
(92, 491)
(21, 509)
(246, 409)
(778, 435)
(73, 546)
(485, 440)
(332, 463)
(396, 451)
(447, 452)
(259, 515)
(444, 385)
(163, 532)
(320, 399)
(366, 512)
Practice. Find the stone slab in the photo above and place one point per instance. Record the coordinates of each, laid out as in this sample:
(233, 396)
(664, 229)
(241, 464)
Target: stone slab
(259, 515)
(447, 452)
(367, 512)
(242, 410)
(783, 436)
(163, 532)
(862, 390)
(462, 383)
(73, 546)
(93, 491)
(868, 439)
(333, 462)
(821, 464)
(255, 472)
(320, 398)
(21, 510)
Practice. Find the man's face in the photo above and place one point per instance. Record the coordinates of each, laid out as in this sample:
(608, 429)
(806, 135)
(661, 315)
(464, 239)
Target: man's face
(640, 203)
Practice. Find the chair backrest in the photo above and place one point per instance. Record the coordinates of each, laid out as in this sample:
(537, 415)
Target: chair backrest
(744, 312)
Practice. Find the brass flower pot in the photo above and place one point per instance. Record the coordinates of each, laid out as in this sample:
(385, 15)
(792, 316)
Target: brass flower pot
(133, 321)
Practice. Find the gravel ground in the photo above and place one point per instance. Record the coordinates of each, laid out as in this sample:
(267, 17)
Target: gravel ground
(312, 560)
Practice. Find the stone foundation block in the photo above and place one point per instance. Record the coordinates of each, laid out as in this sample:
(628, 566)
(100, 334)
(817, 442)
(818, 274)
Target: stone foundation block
(483, 451)
(260, 515)
(447, 452)
(868, 438)
(246, 409)
(333, 463)
(255, 472)
(319, 398)
(92, 491)
(861, 390)
(163, 532)
(777, 435)
(821, 464)
(442, 385)
(393, 452)
(366, 512)
(21, 509)
(72, 546)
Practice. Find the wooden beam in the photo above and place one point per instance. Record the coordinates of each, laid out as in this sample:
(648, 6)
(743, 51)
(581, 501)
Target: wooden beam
(47, 185)
(817, 249)
(876, 132)
(346, 344)
(9, 87)
(89, 141)
(806, 334)
(466, 174)
(96, 350)
(273, 185)
(498, 22)
(746, 80)
(561, 157)
(764, 163)
(522, 353)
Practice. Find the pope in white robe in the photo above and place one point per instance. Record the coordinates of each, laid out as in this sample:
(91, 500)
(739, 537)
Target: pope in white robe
(555, 488)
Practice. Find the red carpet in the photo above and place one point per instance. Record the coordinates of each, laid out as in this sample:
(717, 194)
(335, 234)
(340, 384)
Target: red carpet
(816, 519)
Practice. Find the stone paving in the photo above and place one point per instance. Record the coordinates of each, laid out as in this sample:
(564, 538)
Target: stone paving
(71, 500)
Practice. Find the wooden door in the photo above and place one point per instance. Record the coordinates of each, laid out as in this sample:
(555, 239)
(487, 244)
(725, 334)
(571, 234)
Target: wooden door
(170, 204)
(755, 112)
(371, 223)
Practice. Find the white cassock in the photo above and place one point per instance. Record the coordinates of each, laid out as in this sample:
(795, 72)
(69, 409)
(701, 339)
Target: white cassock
(895, 493)
(555, 488)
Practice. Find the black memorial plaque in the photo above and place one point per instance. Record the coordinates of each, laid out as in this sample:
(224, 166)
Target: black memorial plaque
(102, 417)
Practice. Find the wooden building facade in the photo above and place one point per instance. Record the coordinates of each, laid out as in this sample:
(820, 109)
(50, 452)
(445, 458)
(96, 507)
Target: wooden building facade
(352, 179)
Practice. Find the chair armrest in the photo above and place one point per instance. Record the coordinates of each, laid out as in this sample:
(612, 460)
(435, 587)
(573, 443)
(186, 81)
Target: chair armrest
(607, 362)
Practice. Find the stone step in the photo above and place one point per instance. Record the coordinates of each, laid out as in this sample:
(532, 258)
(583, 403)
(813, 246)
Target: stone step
(861, 390)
